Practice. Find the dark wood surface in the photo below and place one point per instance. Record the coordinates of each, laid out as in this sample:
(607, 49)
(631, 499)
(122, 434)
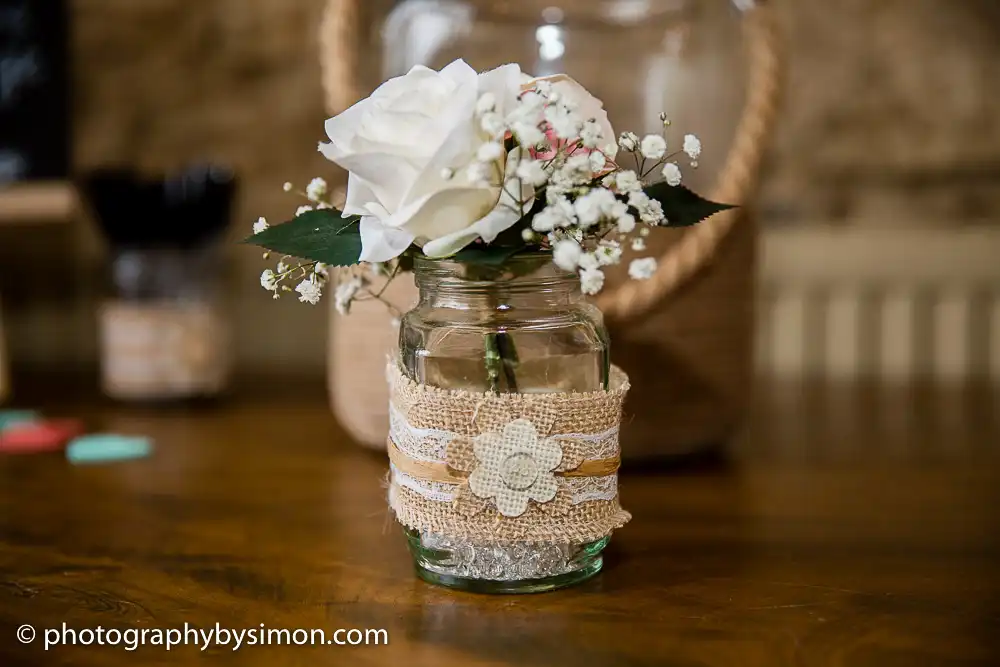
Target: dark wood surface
(847, 527)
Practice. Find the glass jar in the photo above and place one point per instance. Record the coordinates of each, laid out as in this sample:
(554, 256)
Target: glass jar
(525, 328)
(640, 57)
(163, 333)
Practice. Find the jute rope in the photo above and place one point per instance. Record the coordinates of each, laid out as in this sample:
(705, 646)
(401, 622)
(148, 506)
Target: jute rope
(736, 182)
(339, 54)
(445, 474)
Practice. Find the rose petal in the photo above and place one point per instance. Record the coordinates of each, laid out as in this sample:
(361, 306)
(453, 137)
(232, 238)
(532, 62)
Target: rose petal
(412, 136)
(459, 71)
(456, 141)
(341, 129)
(387, 175)
(503, 82)
(502, 217)
(446, 246)
(359, 194)
(588, 105)
(380, 243)
(449, 211)
(403, 84)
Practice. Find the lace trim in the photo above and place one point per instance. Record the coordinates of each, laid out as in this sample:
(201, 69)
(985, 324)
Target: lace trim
(584, 489)
(443, 493)
(423, 444)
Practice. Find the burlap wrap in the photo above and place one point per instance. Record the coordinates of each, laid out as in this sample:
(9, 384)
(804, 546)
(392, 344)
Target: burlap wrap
(506, 468)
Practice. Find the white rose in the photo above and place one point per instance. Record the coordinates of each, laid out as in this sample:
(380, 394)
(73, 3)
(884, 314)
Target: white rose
(400, 143)
(587, 107)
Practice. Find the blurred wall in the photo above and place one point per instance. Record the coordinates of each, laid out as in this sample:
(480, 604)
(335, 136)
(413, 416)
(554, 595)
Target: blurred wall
(892, 116)
(892, 113)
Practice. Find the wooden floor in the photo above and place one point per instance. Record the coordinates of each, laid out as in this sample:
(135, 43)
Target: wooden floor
(847, 527)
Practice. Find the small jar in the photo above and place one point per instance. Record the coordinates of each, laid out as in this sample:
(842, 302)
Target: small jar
(523, 329)
(163, 334)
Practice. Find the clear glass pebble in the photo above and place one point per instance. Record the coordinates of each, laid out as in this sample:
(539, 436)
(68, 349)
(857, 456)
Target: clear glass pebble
(496, 567)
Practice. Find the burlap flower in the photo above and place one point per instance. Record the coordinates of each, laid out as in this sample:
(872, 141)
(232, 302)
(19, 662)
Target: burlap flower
(515, 467)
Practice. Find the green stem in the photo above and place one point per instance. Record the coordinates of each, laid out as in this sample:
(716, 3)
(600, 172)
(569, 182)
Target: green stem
(508, 359)
(501, 362)
(500, 356)
(493, 362)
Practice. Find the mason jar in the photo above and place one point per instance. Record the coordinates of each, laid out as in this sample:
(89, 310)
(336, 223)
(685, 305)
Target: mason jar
(163, 333)
(525, 328)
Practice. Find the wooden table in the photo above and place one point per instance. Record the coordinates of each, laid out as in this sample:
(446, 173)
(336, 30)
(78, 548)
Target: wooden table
(849, 527)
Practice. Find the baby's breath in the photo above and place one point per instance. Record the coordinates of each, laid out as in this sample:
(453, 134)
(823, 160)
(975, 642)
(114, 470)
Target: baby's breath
(642, 269)
(692, 146)
(672, 174)
(316, 190)
(309, 291)
(653, 147)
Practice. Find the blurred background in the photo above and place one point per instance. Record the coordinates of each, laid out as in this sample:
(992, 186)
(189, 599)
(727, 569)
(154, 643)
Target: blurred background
(877, 215)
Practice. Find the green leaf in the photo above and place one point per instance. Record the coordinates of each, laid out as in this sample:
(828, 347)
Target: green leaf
(683, 207)
(486, 255)
(320, 236)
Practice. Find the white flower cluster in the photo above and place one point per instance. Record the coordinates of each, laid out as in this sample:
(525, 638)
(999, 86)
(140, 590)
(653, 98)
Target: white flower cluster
(592, 203)
(311, 278)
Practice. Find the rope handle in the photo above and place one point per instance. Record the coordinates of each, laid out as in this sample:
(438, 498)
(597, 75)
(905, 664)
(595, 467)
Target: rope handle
(338, 54)
(735, 185)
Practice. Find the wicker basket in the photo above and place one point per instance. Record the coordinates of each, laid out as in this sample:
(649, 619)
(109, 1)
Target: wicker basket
(685, 336)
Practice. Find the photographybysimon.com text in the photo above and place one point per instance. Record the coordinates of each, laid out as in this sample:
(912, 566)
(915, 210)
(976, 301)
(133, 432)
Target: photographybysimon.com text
(131, 639)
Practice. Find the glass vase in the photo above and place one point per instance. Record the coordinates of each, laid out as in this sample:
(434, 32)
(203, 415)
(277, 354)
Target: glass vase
(640, 57)
(525, 328)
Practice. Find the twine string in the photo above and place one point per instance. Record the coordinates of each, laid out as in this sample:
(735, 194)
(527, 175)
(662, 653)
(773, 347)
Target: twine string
(430, 471)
